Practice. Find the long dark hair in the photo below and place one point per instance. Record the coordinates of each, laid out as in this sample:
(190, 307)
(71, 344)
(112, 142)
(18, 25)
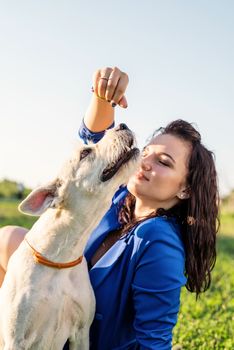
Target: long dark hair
(198, 215)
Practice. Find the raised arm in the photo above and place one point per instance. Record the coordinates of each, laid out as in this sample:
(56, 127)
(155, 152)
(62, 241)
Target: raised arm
(109, 86)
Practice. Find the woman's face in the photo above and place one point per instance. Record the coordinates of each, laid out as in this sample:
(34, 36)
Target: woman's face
(161, 178)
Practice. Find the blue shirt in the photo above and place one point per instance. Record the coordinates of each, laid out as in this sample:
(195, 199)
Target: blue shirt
(137, 281)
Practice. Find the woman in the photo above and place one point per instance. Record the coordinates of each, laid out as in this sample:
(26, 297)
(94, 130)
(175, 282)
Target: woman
(158, 235)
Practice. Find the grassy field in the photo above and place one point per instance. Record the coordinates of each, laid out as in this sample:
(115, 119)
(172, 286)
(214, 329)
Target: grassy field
(9, 214)
(206, 324)
(209, 322)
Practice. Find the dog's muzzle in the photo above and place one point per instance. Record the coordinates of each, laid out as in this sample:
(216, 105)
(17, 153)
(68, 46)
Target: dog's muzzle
(129, 152)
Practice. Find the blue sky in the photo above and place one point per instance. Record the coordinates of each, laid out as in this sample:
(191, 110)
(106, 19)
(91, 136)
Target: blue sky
(179, 56)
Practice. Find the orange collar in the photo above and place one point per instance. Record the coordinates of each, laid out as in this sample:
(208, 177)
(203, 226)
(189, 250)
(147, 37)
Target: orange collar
(42, 260)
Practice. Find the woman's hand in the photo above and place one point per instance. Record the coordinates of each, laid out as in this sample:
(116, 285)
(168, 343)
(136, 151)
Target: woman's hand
(110, 84)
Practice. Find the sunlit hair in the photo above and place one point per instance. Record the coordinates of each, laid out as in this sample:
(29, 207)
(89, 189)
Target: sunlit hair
(197, 215)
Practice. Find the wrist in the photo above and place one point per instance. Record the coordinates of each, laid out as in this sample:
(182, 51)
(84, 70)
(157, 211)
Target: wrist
(99, 115)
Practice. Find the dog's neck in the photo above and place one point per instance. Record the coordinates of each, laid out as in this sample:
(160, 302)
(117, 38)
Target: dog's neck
(60, 236)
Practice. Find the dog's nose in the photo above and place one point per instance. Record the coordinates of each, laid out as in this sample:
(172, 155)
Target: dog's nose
(122, 126)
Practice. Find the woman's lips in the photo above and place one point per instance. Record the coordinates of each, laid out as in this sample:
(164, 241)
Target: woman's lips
(139, 175)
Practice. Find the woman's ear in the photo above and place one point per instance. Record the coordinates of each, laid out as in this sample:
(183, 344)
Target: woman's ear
(184, 193)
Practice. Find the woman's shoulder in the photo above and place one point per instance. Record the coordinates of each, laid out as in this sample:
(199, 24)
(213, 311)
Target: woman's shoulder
(159, 231)
(159, 249)
(157, 227)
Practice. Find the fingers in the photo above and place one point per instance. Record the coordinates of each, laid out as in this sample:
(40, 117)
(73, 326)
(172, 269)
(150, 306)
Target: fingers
(119, 91)
(110, 84)
(103, 81)
(99, 85)
(123, 102)
(96, 77)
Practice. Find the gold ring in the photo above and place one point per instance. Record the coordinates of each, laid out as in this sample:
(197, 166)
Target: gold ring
(104, 78)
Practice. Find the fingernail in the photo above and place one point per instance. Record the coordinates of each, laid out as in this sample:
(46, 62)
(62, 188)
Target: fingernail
(113, 104)
(123, 106)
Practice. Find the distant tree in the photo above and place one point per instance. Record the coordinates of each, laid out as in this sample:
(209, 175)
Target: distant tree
(13, 189)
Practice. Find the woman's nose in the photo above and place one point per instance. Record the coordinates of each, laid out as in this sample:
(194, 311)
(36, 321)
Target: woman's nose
(145, 165)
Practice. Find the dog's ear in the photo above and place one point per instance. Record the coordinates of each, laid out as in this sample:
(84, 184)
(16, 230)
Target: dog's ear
(40, 199)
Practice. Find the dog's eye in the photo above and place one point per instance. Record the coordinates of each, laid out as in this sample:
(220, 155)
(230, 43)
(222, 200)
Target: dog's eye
(84, 153)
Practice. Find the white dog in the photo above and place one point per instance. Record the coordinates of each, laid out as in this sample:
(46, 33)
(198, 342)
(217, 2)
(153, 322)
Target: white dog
(42, 306)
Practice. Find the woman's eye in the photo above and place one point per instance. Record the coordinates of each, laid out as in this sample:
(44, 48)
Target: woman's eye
(84, 153)
(164, 163)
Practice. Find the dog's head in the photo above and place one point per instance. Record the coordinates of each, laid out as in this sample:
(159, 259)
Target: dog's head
(94, 172)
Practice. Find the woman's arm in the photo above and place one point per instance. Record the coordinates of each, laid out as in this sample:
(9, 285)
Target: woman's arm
(109, 86)
(99, 115)
(157, 282)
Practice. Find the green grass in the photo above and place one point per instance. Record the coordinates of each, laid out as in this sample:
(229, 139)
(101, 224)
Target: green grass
(9, 214)
(227, 223)
(209, 322)
(206, 324)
